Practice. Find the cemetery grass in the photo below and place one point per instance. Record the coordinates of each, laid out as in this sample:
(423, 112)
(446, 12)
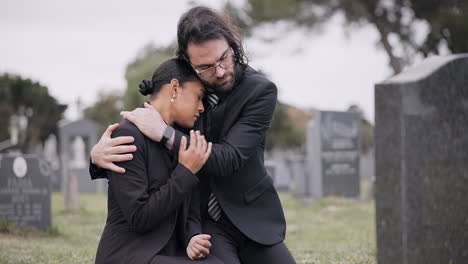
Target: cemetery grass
(332, 230)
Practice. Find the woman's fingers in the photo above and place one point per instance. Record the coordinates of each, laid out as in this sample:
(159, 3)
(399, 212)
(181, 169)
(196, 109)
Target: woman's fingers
(201, 249)
(207, 154)
(195, 250)
(203, 144)
(199, 140)
(205, 236)
(191, 254)
(204, 243)
(193, 140)
(183, 144)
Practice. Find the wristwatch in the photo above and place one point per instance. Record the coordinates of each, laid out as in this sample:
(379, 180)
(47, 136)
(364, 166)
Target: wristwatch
(167, 135)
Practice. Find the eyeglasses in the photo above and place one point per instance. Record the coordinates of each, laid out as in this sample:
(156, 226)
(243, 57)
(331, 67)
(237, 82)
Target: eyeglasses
(211, 71)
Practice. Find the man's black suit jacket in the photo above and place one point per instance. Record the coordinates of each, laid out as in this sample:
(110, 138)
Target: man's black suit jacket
(147, 204)
(235, 170)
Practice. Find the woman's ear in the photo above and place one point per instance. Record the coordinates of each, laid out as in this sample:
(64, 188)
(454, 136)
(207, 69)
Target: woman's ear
(175, 86)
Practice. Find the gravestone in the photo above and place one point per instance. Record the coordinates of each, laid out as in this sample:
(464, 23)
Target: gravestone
(297, 166)
(50, 154)
(332, 155)
(367, 165)
(25, 190)
(421, 138)
(279, 172)
(76, 141)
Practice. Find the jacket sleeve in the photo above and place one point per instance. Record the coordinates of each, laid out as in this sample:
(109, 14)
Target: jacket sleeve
(96, 172)
(143, 210)
(244, 136)
(193, 226)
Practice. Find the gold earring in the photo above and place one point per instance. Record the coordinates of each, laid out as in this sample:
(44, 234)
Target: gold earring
(173, 98)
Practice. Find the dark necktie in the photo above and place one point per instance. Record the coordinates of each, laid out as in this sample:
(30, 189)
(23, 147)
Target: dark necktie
(214, 210)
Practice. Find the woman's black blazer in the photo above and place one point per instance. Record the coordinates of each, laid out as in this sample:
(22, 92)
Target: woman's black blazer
(145, 202)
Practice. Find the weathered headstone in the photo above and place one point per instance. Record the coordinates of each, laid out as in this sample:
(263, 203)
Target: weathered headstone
(421, 140)
(298, 171)
(50, 153)
(333, 154)
(76, 141)
(280, 173)
(25, 190)
(367, 165)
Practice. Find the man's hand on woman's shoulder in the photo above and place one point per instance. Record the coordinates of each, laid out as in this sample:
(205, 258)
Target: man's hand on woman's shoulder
(109, 150)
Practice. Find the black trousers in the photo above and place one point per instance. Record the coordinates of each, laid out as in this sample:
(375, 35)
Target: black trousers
(232, 247)
(174, 253)
(160, 259)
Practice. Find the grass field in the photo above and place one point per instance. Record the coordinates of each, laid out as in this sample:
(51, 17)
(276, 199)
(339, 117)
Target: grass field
(332, 230)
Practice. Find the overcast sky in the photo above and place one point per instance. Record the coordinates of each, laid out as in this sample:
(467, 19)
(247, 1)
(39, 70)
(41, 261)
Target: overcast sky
(77, 48)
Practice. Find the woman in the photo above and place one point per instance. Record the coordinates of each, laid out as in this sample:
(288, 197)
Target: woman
(153, 209)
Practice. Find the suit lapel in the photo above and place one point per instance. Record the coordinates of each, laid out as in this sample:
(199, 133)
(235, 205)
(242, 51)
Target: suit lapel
(216, 119)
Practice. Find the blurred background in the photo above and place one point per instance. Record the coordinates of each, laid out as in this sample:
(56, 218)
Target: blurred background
(89, 56)
(71, 65)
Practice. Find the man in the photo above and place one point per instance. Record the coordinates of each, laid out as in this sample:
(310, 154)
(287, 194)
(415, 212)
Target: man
(239, 205)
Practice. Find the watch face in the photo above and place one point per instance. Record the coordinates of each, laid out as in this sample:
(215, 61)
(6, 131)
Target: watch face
(167, 134)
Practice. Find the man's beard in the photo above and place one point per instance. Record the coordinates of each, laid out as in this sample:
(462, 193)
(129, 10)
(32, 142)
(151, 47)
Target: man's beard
(217, 88)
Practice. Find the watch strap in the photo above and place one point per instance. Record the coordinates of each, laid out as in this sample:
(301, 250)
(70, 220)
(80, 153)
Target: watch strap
(167, 134)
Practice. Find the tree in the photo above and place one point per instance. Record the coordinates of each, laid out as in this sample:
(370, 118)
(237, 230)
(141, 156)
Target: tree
(142, 68)
(106, 110)
(283, 134)
(396, 21)
(29, 101)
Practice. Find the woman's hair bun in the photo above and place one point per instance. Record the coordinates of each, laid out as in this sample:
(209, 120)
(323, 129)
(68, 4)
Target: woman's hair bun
(146, 87)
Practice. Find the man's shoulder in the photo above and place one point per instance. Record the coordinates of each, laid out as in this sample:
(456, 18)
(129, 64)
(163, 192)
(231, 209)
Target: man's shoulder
(252, 75)
(256, 81)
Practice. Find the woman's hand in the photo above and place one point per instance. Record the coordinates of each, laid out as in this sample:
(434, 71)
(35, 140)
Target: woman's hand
(199, 247)
(109, 150)
(197, 153)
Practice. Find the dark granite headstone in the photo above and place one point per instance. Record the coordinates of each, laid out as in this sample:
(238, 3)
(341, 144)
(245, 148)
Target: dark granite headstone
(25, 190)
(421, 187)
(340, 153)
(333, 154)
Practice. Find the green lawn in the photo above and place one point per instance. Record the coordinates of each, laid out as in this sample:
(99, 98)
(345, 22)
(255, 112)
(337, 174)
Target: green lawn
(332, 230)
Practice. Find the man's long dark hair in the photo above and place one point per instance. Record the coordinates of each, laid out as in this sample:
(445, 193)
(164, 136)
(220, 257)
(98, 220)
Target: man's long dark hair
(200, 24)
